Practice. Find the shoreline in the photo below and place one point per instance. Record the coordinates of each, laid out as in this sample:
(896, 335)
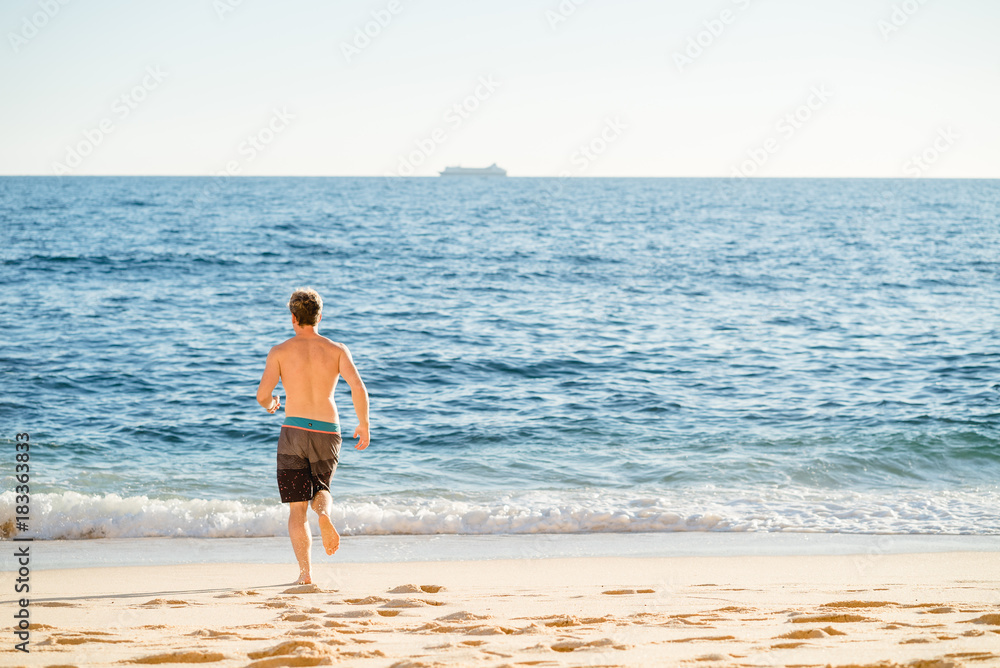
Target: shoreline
(124, 552)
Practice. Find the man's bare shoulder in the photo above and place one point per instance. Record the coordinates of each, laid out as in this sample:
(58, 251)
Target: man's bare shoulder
(284, 345)
(337, 344)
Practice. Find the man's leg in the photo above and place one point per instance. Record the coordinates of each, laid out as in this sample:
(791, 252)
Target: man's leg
(298, 531)
(322, 503)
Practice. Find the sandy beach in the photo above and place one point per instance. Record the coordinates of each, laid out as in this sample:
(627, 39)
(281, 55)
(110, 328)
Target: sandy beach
(920, 609)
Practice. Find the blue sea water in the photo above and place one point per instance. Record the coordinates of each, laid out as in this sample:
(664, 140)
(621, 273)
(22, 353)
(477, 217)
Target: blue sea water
(543, 355)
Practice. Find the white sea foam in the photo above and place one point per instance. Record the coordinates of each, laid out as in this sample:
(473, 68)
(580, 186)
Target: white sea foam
(71, 515)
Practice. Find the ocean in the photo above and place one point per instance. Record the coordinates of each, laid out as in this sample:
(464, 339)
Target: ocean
(544, 356)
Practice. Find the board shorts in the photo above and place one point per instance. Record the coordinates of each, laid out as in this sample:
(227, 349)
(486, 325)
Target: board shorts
(308, 452)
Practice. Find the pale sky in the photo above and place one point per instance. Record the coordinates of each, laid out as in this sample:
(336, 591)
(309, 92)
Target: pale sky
(884, 88)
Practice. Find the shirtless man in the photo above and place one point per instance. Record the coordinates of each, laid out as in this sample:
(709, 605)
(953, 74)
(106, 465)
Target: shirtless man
(308, 366)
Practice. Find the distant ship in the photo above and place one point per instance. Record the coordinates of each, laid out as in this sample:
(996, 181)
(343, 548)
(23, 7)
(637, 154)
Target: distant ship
(492, 170)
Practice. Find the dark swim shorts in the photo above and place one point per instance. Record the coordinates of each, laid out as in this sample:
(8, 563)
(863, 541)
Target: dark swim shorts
(308, 452)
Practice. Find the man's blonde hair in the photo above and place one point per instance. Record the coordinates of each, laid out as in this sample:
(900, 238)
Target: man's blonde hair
(306, 305)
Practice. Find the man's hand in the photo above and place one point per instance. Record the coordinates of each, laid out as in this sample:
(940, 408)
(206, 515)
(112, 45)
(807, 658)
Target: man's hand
(361, 433)
(269, 381)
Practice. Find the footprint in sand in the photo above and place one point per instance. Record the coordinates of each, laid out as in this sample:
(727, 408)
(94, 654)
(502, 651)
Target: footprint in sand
(295, 617)
(371, 654)
(683, 619)
(801, 618)
(34, 626)
(703, 638)
(626, 592)
(308, 589)
(239, 592)
(812, 633)
(462, 616)
(81, 639)
(368, 600)
(209, 633)
(292, 653)
(416, 589)
(54, 604)
(564, 621)
(972, 656)
(898, 625)
(407, 603)
(287, 661)
(159, 602)
(352, 614)
(993, 620)
(192, 656)
(572, 645)
(312, 633)
(288, 648)
(403, 603)
(486, 630)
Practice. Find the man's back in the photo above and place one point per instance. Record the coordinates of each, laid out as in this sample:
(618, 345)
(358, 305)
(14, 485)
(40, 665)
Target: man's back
(309, 367)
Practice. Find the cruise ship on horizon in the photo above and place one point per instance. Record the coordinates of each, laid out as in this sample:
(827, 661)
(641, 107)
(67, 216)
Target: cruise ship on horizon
(492, 170)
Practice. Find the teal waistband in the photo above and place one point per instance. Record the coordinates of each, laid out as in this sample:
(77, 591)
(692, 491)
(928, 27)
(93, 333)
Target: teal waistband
(312, 425)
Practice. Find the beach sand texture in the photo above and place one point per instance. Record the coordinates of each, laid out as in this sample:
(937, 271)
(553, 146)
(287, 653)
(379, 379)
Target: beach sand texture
(922, 610)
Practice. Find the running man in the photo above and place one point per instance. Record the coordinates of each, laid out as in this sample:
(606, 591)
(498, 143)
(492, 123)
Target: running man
(308, 366)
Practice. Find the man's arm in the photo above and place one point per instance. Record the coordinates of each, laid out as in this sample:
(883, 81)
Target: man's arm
(359, 395)
(268, 381)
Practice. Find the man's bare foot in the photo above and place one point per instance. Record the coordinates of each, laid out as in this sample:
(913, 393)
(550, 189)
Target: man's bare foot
(304, 579)
(331, 539)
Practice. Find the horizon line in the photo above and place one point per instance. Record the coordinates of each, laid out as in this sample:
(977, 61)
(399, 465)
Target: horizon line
(485, 178)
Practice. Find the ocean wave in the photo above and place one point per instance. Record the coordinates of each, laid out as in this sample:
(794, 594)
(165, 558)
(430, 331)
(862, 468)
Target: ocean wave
(74, 516)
